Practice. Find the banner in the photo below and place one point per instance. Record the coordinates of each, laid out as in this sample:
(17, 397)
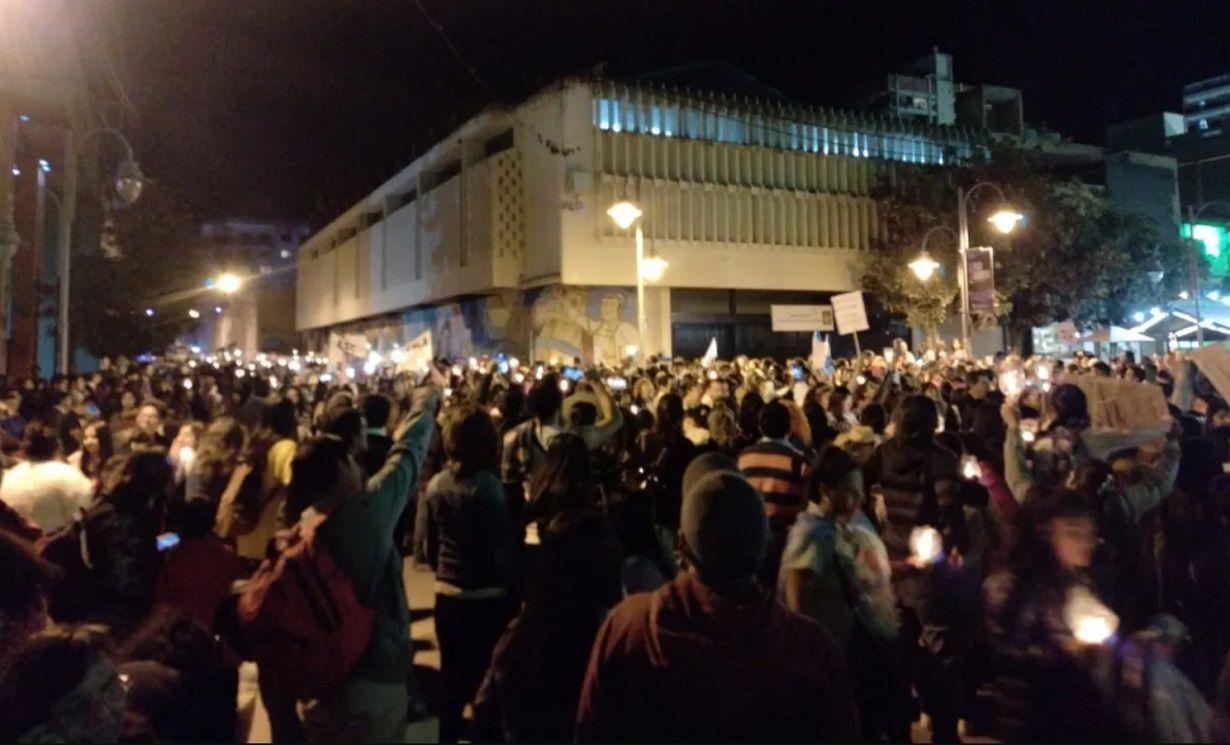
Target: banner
(849, 313)
(980, 273)
(710, 354)
(417, 354)
(802, 317)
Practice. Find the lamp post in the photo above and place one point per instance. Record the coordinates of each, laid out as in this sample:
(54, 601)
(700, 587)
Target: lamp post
(625, 214)
(128, 183)
(1005, 220)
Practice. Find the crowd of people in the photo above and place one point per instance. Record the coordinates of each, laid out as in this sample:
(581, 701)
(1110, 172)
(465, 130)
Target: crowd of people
(749, 550)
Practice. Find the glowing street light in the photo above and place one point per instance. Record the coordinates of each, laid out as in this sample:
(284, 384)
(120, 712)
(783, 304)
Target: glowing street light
(924, 266)
(654, 267)
(624, 213)
(194, 314)
(229, 283)
(1006, 220)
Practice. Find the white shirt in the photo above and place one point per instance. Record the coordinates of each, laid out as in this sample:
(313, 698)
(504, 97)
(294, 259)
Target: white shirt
(49, 494)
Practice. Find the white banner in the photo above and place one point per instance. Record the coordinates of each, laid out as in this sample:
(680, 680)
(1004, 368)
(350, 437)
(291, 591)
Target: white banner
(802, 317)
(418, 353)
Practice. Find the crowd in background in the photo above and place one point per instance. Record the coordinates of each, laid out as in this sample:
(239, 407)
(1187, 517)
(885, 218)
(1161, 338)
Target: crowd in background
(675, 550)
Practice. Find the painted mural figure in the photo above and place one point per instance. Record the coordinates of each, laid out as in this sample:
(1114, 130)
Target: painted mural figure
(613, 335)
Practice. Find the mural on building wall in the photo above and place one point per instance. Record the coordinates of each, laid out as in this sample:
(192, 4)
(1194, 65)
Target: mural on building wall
(594, 323)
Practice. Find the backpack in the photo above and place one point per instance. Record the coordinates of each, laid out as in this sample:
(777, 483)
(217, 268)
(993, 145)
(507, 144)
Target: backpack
(300, 617)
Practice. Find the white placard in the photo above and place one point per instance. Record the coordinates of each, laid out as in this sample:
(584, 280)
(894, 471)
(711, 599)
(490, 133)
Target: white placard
(802, 317)
(849, 313)
(1066, 332)
(418, 353)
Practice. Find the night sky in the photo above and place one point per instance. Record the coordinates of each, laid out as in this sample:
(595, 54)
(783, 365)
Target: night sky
(296, 108)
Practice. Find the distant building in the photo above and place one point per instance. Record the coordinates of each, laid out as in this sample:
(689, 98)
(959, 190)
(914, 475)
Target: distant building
(497, 238)
(926, 89)
(261, 316)
(1206, 105)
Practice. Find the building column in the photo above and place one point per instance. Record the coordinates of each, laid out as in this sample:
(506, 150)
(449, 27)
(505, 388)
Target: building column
(657, 320)
(30, 217)
(8, 227)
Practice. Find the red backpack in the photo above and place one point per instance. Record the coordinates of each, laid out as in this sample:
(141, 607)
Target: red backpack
(301, 618)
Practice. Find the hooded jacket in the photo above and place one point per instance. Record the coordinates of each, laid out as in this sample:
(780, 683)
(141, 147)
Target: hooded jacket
(686, 664)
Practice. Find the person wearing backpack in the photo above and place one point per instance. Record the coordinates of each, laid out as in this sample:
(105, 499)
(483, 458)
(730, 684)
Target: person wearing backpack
(357, 531)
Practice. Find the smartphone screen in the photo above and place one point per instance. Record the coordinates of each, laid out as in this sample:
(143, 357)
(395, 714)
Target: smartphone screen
(167, 541)
(573, 373)
(798, 372)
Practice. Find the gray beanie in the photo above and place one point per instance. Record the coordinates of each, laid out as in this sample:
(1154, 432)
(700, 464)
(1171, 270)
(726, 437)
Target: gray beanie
(724, 524)
(705, 464)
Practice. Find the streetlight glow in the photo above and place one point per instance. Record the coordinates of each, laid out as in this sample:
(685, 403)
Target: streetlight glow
(653, 268)
(1005, 220)
(228, 283)
(624, 213)
(924, 266)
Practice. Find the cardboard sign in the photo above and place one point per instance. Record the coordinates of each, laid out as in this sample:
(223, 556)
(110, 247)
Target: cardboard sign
(418, 353)
(849, 313)
(1124, 404)
(802, 317)
(1214, 362)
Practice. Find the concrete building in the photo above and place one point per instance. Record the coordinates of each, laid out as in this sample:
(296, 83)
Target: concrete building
(1206, 105)
(497, 238)
(261, 315)
(925, 89)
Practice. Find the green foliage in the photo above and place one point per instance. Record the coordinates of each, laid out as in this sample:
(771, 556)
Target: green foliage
(151, 252)
(1074, 258)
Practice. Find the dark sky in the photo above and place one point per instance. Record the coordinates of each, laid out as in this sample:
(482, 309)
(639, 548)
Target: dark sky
(296, 108)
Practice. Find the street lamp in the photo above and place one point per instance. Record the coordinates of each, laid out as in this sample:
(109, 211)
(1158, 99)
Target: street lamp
(128, 183)
(924, 266)
(1005, 220)
(625, 214)
(228, 283)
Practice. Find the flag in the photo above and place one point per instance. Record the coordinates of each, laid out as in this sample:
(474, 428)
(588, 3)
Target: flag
(710, 354)
(821, 353)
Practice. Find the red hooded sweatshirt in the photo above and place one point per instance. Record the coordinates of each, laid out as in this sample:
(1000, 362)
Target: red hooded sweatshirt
(685, 664)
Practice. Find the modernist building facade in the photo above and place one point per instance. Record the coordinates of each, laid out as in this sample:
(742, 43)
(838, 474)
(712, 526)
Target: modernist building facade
(497, 238)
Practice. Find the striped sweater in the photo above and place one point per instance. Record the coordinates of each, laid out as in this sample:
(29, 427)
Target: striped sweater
(778, 472)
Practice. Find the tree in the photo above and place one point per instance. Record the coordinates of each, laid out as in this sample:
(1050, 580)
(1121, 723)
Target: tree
(1075, 258)
(149, 257)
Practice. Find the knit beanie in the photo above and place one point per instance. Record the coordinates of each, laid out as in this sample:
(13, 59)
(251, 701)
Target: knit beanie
(705, 464)
(724, 524)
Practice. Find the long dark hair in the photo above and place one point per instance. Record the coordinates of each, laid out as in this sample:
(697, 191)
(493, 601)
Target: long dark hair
(668, 420)
(1070, 407)
(563, 480)
(470, 441)
(916, 419)
(92, 465)
(749, 415)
